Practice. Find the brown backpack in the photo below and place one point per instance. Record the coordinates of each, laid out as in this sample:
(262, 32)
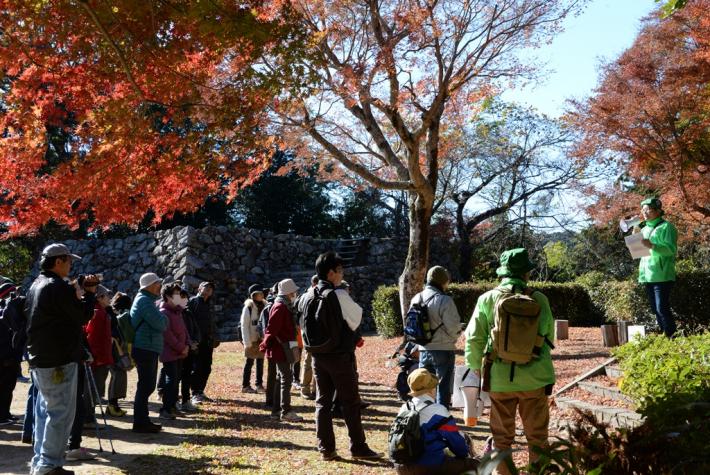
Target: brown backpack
(515, 335)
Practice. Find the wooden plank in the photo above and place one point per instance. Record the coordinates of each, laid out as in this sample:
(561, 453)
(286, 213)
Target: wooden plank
(610, 335)
(592, 372)
(561, 329)
(623, 332)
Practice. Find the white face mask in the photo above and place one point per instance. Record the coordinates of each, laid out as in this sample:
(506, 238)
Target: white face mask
(176, 300)
(183, 302)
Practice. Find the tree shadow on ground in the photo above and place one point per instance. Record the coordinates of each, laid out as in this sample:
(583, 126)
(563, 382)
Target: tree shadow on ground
(178, 466)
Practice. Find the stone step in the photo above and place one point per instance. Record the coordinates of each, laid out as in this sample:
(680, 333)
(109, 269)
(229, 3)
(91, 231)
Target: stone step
(604, 391)
(614, 372)
(614, 416)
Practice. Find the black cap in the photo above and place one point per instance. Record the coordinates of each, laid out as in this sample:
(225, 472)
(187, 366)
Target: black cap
(255, 288)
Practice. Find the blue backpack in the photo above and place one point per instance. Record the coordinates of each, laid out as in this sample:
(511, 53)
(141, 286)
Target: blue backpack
(417, 327)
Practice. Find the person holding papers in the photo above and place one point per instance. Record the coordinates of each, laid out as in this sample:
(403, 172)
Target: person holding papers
(657, 271)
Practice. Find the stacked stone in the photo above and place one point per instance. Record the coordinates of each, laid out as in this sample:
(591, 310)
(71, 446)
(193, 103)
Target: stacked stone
(232, 258)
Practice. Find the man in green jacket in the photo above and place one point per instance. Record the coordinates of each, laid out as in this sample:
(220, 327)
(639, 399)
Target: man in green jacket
(149, 325)
(524, 387)
(657, 271)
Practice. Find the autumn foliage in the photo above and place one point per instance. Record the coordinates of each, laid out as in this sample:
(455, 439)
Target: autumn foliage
(650, 120)
(109, 109)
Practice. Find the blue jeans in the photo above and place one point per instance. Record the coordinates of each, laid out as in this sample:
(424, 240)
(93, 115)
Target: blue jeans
(440, 363)
(147, 367)
(54, 413)
(659, 296)
(171, 373)
(29, 423)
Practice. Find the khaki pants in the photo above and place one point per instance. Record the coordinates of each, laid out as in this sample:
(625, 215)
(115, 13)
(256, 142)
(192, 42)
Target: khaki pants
(307, 373)
(535, 413)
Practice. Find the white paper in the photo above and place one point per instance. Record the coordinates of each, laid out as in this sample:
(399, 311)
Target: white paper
(635, 245)
(635, 330)
(457, 399)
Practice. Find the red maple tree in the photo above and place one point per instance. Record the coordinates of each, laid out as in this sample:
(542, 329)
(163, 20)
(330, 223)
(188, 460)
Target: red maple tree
(649, 121)
(111, 109)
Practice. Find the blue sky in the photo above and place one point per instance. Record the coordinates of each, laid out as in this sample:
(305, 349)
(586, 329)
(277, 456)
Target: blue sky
(604, 30)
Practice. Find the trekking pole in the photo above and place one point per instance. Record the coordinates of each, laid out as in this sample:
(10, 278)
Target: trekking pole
(103, 414)
(87, 373)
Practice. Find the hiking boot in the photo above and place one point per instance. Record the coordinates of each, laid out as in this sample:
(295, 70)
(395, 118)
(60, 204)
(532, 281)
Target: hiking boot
(60, 471)
(274, 417)
(366, 454)
(248, 390)
(79, 454)
(296, 385)
(166, 415)
(197, 399)
(147, 428)
(205, 398)
(329, 456)
(260, 389)
(187, 407)
(291, 416)
(115, 411)
(307, 395)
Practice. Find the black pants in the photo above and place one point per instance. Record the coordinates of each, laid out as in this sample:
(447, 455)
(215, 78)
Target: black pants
(270, 382)
(336, 372)
(147, 367)
(8, 381)
(203, 366)
(77, 426)
(246, 377)
(186, 376)
(171, 370)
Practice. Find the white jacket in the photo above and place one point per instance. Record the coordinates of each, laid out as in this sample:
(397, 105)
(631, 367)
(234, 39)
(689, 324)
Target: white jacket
(250, 317)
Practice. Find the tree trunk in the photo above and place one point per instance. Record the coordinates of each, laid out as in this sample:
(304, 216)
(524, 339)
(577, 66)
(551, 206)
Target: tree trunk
(465, 249)
(412, 279)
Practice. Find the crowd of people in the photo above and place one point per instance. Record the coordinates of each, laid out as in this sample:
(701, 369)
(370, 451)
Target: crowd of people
(77, 334)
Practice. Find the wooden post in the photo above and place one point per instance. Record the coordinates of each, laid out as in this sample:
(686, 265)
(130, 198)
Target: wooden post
(623, 332)
(610, 335)
(561, 329)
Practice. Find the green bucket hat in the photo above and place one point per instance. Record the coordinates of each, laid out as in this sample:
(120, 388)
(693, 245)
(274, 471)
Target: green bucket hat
(514, 263)
(652, 202)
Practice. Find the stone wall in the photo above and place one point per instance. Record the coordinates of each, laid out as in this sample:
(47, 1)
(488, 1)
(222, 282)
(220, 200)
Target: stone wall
(234, 258)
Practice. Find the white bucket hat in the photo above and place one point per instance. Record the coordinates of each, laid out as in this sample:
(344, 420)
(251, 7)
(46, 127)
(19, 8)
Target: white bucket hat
(149, 279)
(287, 286)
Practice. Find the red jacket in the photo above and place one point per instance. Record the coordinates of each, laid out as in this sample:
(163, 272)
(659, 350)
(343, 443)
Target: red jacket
(280, 329)
(175, 337)
(98, 334)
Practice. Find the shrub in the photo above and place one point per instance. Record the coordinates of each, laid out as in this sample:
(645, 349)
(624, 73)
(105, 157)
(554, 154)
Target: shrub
(567, 302)
(626, 300)
(15, 260)
(659, 371)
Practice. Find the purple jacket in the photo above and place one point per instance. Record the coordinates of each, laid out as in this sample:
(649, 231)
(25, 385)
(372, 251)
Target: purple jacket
(175, 335)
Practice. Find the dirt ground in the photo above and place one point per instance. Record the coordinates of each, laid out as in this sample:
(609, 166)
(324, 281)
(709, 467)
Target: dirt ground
(234, 434)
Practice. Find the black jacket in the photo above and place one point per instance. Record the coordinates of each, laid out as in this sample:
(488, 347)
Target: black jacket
(55, 317)
(201, 312)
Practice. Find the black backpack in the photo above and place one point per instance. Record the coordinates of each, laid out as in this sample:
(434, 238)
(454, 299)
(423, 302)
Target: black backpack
(405, 441)
(417, 327)
(321, 325)
(263, 319)
(12, 314)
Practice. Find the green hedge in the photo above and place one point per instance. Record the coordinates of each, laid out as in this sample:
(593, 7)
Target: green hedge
(567, 301)
(626, 300)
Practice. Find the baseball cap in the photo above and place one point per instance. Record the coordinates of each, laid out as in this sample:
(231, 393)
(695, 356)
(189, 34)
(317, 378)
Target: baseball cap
(54, 250)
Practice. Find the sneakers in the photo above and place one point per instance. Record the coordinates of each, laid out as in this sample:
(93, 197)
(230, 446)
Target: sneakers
(147, 428)
(115, 411)
(79, 454)
(248, 390)
(296, 385)
(166, 415)
(274, 417)
(260, 388)
(196, 400)
(187, 407)
(291, 416)
(329, 456)
(366, 454)
(308, 395)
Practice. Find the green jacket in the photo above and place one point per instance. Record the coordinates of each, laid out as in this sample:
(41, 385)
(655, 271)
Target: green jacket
(148, 322)
(660, 265)
(534, 375)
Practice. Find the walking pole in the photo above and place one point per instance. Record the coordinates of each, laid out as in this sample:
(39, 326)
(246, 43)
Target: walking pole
(87, 372)
(103, 414)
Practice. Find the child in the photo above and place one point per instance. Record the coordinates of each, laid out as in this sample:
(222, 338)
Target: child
(408, 361)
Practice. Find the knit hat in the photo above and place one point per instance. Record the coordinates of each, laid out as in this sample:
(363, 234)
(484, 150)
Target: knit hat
(438, 276)
(515, 263)
(287, 286)
(149, 279)
(102, 291)
(255, 288)
(421, 381)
